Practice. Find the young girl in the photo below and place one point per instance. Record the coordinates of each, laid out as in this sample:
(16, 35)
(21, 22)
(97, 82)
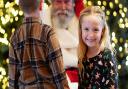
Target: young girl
(97, 65)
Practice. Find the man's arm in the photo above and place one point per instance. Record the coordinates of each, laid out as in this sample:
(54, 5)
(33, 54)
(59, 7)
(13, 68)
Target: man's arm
(13, 70)
(56, 61)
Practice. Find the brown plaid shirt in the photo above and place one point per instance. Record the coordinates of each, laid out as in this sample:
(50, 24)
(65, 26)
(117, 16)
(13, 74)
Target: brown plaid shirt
(35, 58)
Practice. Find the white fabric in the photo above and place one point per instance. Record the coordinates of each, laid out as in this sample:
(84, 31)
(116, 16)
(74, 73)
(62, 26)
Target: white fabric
(72, 85)
(68, 39)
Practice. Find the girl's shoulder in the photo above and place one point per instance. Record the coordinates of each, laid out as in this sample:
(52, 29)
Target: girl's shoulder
(107, 54)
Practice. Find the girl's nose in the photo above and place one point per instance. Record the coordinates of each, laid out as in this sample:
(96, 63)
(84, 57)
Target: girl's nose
(90, 34)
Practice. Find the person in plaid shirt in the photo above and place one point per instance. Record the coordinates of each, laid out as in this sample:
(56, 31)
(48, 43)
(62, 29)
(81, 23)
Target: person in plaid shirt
(35, 57)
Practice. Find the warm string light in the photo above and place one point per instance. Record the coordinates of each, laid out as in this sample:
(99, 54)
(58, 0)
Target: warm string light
(116, 1)
(99, 2)
(7, 16)
(122, 10)
(119, 66)
(2, 73)
(104, 3)
(1, 3)
(111, 5)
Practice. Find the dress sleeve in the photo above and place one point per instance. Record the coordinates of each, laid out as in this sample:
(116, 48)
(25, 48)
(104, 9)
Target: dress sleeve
(110, 71)
(56, 61)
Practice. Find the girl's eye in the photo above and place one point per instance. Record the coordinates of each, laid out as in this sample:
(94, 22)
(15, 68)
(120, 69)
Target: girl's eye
(96, 29)
(86, 29)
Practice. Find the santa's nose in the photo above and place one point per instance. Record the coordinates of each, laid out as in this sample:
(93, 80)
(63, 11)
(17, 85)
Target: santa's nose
(63, 5)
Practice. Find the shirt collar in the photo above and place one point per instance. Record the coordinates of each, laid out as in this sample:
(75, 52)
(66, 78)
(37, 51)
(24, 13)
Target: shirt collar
(32, 20)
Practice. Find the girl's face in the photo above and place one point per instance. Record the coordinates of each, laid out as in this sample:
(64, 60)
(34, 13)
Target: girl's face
(92, 30)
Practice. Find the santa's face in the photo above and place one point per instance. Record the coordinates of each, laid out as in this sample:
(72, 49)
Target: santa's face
(62, 10)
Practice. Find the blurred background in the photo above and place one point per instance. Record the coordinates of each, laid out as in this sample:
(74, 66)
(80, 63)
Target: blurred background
(117, 17)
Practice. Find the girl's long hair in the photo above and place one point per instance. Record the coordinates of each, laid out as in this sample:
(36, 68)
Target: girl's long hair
(105, 38)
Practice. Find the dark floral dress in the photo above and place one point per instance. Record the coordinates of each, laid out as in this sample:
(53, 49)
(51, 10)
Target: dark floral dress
(100, 72)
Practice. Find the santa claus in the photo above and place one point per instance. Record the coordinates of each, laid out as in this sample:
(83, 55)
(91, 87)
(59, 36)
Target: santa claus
(63, 16)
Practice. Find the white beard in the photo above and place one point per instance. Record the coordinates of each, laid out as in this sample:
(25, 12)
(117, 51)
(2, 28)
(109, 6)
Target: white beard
(61, 22)
(61, 18)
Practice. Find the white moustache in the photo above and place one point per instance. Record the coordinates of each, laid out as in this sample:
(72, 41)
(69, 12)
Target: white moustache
(62, 12)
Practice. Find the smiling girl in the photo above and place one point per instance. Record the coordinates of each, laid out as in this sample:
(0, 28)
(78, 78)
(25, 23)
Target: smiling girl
(97, 64)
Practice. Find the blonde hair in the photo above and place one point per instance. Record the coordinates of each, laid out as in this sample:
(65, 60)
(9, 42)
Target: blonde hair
(105, 38)
(29, 6)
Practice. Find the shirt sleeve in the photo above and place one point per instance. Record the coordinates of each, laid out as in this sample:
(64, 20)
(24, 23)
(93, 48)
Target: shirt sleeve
(56, 61)
(13, 69)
